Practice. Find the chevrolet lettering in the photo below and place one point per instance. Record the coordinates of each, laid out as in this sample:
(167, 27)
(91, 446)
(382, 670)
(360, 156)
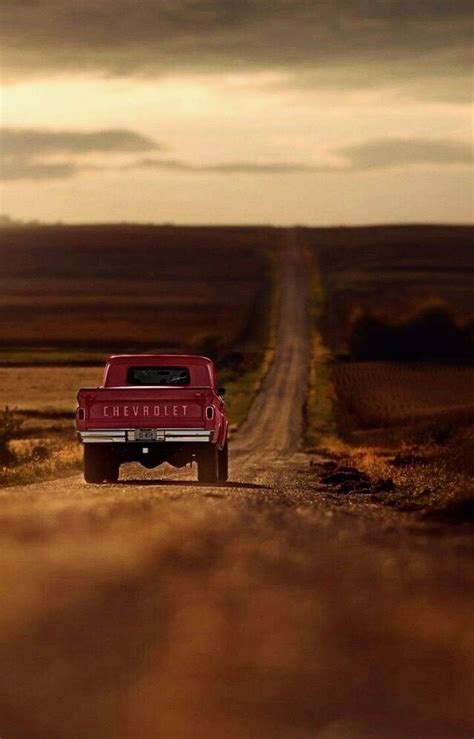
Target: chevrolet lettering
(115, 411)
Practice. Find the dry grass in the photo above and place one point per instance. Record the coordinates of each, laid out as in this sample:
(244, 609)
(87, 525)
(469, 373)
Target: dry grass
(37, 459)
(410, 427)
(428, 478)
(45, 389)
(319, 417)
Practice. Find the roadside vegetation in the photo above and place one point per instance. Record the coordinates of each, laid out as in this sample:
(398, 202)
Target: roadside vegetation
(392, 376)
(27, 455)
(244, 367)
(320, 408)
(10, 425)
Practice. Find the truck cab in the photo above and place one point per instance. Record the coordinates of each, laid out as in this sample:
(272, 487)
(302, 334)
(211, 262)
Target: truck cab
(154, 408)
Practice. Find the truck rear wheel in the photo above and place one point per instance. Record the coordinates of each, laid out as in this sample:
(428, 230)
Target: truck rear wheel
(223, 463)
(208, 464)
(112, 466)
(95, 461)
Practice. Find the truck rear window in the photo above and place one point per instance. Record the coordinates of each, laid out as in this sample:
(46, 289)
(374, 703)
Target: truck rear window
(158, 376)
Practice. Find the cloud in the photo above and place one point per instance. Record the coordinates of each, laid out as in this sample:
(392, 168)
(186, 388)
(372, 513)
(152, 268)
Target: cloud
(373, 154)
(383, 153)
(177, 165)
(26, 142)
(30, 153)
(333, 38)
(19, 169)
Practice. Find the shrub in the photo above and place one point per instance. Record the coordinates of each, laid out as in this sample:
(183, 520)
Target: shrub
(9, 427)
(431, 332)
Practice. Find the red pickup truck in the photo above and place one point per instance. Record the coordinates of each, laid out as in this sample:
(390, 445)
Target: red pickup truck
(154, 408)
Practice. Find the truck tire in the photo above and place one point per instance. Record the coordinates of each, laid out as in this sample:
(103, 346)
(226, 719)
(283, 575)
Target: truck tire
(95, 460)
(208, 464)
(112, 466)
(223, 463)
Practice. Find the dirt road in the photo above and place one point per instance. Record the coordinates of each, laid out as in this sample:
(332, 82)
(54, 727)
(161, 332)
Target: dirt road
(162, 609)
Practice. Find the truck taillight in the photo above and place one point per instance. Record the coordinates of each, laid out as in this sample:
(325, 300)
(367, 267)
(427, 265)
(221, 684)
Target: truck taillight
(81, 414)
(210, 412)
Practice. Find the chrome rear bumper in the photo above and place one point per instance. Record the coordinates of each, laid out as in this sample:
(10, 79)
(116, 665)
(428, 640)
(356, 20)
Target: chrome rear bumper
(108, 436)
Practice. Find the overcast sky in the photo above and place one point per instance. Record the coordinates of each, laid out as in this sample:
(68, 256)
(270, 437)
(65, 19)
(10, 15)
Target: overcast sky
(268, 111)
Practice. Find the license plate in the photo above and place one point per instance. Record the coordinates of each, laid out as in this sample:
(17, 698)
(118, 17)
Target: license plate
(145, 434)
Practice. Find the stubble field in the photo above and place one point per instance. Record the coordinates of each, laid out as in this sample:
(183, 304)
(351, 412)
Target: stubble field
(379, 394)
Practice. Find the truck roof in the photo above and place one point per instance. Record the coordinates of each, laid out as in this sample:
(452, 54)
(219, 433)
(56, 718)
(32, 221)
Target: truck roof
(134, 359)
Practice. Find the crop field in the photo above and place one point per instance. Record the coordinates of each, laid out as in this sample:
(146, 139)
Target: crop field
(109, 288)
(384, 394)
(391, 270)
(70, 296)
(393, 310)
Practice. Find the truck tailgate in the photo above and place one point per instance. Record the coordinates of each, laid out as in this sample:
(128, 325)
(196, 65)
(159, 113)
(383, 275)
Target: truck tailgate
(135, 408)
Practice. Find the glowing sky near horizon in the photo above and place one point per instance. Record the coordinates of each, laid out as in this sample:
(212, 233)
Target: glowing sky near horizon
(189, 114)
